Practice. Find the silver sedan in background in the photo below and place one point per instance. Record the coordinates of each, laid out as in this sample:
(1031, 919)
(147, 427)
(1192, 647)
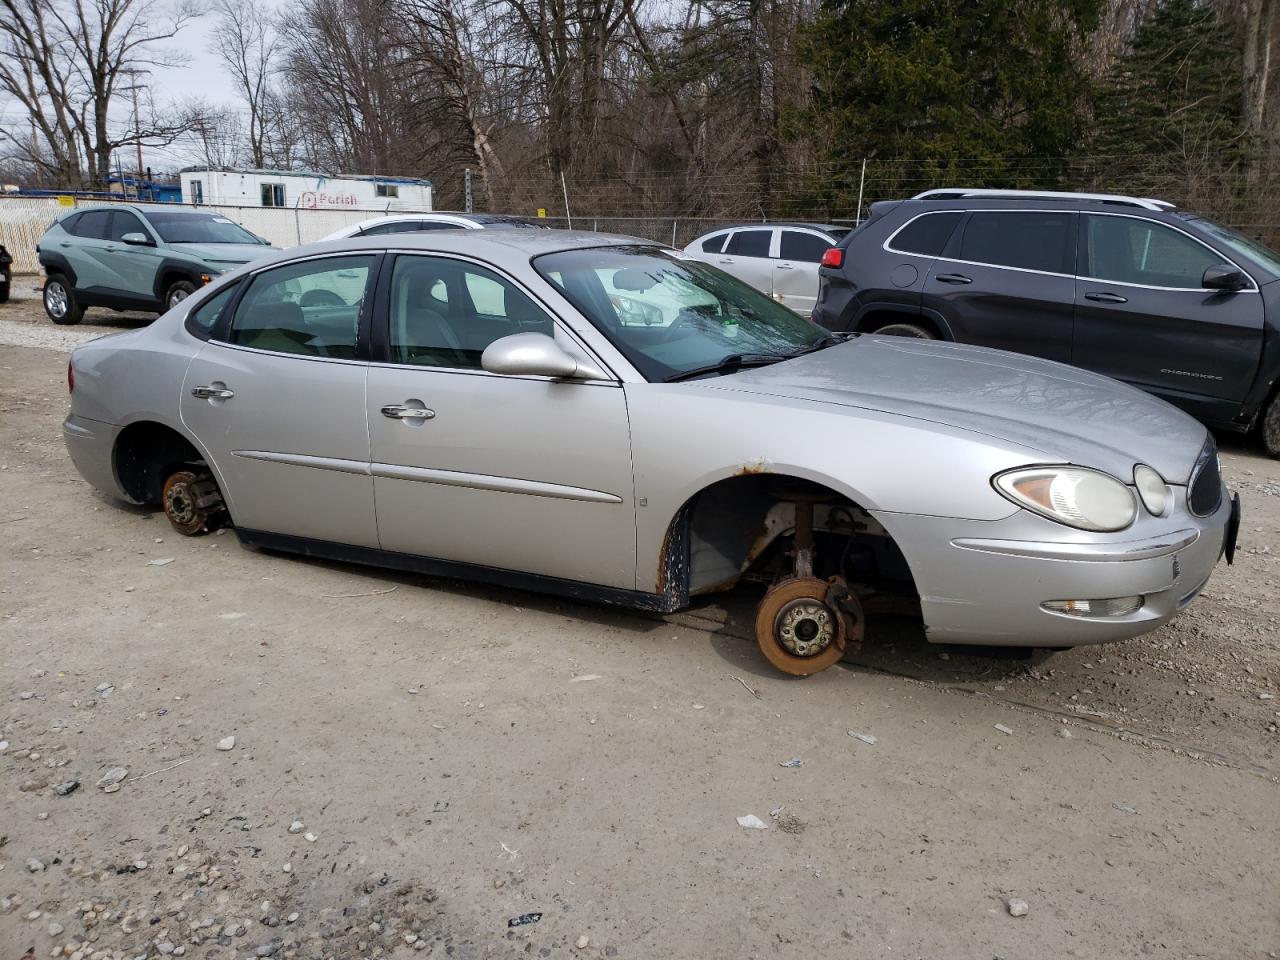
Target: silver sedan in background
(608, 419)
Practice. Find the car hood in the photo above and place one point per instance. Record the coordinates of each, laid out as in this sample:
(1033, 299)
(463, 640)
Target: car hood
(1069, 415)
(225, 252)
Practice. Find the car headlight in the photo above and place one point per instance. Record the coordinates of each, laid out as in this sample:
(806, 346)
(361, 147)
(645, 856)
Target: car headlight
(1076, 496)
(1152, 489)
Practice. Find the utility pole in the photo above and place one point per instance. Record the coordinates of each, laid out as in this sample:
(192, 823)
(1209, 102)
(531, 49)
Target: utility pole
(137, 137)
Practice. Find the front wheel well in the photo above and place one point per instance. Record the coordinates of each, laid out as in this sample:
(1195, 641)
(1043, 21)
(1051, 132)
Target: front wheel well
(146, 453)
(741, 528)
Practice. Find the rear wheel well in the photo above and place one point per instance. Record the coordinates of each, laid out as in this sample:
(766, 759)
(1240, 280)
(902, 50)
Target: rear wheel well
(146, 453)
(876, 319)
(740, 528)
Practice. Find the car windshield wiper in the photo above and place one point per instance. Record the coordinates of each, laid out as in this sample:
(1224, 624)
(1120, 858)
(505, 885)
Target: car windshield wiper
(830, 340)
(729, 364)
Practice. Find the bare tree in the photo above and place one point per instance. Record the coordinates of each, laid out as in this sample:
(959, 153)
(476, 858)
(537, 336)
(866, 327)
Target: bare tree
(248, 45)
(216, 133)
(65, 61)
(439, 48)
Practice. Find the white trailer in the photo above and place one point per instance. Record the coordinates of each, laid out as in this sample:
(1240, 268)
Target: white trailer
(303, 190)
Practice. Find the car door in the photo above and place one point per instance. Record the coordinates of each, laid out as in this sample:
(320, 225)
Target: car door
(748, 256)
(795, 272)
(87, 251)
(276, 397)
(516, 473)
(1006, 280)
(1143, 316)
(134, 266)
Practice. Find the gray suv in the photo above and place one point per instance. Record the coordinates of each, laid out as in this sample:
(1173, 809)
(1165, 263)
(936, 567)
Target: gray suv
(136, 258)
(1128, 287)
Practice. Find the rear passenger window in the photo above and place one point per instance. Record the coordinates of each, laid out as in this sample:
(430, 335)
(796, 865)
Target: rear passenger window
(206, 316)
(310, 308)
(750, 243)
(714, 244)
(926, 235)
(93, 225)
(1030, 241)
(805, 247)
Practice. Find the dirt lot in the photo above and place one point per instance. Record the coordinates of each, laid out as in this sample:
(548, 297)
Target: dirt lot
(459, 756)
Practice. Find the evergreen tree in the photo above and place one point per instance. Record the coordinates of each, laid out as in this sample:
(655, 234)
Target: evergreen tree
(946, 92)
(1169, 116)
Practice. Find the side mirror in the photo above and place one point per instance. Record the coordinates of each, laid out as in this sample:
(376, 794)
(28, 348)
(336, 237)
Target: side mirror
(136, 239)
(536, 355)
(1223, 277)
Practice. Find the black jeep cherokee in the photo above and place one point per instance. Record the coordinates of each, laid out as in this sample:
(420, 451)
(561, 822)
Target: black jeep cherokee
(1135, 289)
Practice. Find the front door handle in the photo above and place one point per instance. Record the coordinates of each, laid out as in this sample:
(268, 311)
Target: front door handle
(397, 412)
(1106, 297)
(212, 393)
(785, 266)
(727, 260)
(953, 278)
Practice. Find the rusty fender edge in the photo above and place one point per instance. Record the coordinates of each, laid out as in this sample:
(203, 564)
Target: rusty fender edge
(666, 602)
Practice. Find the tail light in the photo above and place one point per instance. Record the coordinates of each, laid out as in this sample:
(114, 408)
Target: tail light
(834, 258)
(71, 378)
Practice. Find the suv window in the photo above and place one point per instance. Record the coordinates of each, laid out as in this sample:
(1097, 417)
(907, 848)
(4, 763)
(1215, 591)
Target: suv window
(93, 225)
(310, 308)
(1135, 250)
(122, 222)
(714, 244)
(805, 247)
(445, 312)
(1030, 241)
(750, 243)
(926, 235)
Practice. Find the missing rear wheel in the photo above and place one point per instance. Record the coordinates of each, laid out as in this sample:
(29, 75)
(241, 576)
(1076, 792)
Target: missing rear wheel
(192, 502)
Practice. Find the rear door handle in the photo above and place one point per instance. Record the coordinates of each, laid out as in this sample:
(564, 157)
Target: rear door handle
(727, 260)
(211, 393)
(953, 278)
(785, 266)
(1106, 297)
(398, 412)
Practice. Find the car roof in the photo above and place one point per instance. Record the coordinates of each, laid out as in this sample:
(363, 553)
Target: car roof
(770, 224)
(478, 243)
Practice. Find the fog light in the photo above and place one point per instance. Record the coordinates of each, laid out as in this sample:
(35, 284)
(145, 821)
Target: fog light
(1114, 607)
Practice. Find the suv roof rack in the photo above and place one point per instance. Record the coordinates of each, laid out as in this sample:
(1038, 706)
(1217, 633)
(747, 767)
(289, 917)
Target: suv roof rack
(964, 193)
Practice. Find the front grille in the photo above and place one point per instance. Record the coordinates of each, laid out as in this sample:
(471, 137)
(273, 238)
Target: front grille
(1204, 495)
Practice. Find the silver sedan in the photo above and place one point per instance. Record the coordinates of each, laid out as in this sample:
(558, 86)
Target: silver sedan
(611, 420)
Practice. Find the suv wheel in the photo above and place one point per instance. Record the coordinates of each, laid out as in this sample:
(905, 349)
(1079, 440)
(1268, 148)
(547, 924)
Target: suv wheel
(60, 301)
(177, 292)
(1270, 427)
(906, 330)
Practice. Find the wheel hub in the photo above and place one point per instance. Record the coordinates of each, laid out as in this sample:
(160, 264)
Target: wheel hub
(55, 299)
(805, 628)
(182, 507)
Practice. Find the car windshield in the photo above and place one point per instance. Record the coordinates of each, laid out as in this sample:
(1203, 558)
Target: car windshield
(671, 315)
(1239, 243)
(199, 228)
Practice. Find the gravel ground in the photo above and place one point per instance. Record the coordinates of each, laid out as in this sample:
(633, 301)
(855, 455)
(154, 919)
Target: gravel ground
(418, 763)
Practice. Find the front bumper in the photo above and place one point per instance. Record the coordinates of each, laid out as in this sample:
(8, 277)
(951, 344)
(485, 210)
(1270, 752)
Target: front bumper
(984, 582)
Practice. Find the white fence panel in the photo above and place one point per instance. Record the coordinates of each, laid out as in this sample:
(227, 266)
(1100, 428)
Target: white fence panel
(23, 220)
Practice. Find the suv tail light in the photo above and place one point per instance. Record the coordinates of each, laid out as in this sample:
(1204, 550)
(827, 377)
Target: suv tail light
(834, 258)
(71, 378)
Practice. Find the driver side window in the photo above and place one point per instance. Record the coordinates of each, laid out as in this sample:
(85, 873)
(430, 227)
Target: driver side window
(310, 308)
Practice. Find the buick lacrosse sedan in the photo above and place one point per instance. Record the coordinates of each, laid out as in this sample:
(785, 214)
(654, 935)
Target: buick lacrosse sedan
(608, 419)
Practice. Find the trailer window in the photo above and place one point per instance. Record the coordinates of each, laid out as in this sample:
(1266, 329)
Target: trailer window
(390, 190)
(273, 194)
